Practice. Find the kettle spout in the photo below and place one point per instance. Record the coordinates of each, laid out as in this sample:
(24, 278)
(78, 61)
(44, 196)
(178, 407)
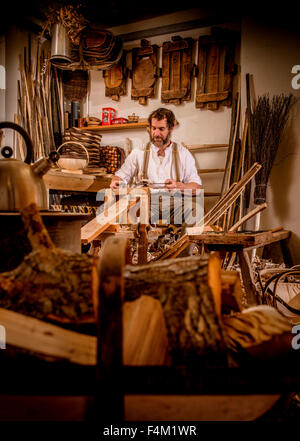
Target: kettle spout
(42, 165)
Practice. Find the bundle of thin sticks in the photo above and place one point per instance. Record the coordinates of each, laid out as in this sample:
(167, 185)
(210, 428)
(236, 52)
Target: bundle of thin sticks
(267, 120)
(40, 100)
(70, 17)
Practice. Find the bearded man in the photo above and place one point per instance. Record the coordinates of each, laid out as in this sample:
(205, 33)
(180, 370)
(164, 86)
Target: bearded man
(166, 166)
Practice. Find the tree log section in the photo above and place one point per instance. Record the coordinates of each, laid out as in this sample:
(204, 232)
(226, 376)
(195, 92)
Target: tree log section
(189, 306)
(49, 281)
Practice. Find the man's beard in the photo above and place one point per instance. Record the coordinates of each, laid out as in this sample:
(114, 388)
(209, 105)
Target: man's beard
(159, 141)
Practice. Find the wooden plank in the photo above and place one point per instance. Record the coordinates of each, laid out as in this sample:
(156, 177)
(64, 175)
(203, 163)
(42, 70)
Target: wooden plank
(144, 338)
(245, 240)
(232, 129)
(74, 182)
(102, 221)
(41, 337)
(248, 278)
(229, 160)
(241, 239)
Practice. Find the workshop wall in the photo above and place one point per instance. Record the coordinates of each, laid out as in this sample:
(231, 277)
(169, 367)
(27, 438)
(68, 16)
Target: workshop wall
(196, 126)
(269, 53)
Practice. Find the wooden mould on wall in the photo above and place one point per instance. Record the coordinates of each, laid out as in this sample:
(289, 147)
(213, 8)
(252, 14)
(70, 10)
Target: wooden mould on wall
(177, 69)
(144, 71)
(215, 70)
(115, 79)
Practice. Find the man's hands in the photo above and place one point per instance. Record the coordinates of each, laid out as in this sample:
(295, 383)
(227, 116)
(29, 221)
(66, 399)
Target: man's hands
(115, 182)
(171, 184)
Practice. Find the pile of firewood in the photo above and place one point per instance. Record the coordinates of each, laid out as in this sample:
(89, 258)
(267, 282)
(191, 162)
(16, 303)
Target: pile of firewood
(185, 310)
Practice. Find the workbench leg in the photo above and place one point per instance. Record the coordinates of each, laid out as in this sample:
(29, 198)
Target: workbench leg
(142, 244)
(248, 278)
(286, 254)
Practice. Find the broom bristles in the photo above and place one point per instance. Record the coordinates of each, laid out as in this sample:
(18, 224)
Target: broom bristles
(268, 120)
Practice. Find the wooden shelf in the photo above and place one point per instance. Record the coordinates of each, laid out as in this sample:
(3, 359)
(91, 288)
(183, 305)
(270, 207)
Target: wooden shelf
(205, 146)
(210, 170)
(128, 126)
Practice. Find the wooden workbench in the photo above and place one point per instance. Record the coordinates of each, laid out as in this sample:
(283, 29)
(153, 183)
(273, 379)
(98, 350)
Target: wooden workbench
(236, 241)
(241, 243)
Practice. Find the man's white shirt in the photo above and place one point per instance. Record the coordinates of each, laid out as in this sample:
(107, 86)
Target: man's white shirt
(160, 168)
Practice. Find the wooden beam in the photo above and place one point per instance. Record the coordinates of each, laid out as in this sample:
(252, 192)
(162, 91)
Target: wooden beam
(102, 221)
(179, 27)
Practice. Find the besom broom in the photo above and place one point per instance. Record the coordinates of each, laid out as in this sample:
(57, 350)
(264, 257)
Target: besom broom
(267, 121)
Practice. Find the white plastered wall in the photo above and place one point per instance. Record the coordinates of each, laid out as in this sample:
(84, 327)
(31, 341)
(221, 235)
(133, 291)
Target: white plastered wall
(269, 53)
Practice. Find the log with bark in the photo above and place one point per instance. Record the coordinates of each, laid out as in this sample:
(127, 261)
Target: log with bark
(49, 281)
(189, 292)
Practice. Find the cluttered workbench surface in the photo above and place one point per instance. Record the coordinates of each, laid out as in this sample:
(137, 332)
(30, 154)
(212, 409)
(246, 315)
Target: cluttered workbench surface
(243, 239)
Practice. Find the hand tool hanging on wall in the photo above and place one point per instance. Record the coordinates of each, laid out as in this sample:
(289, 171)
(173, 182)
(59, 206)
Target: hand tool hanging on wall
(215, 69)
(115, 79)
(144, 71)
(177, 66)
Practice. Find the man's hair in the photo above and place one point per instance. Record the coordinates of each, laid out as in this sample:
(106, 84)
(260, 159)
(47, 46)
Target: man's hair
(162, 113)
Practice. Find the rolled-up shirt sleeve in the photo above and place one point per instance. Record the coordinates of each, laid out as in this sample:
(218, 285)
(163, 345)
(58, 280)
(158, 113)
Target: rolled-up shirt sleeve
(129, 168)
(190, 170)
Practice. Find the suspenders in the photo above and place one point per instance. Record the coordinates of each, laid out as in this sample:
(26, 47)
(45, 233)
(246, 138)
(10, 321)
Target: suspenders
(175, 161)
(146, 161)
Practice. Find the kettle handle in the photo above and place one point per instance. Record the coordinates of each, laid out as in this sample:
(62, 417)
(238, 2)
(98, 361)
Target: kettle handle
(29, 146)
